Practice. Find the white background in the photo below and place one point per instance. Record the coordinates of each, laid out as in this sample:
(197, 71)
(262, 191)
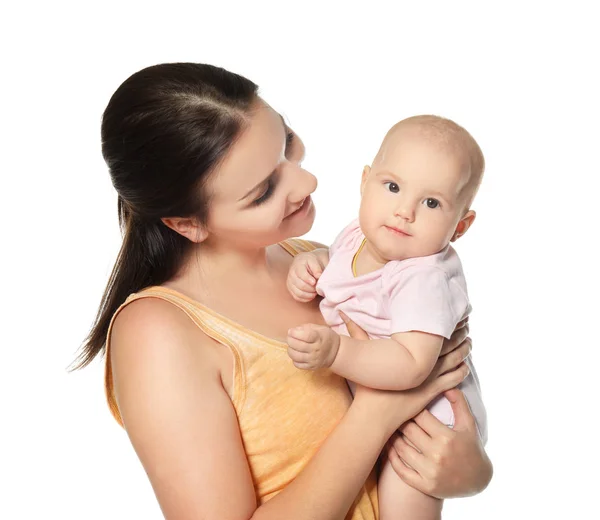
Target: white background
(520, 76)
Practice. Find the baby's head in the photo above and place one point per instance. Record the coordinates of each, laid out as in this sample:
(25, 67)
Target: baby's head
(417, 194)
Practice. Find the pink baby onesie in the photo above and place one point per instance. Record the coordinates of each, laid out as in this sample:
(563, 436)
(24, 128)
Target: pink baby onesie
(426, 294)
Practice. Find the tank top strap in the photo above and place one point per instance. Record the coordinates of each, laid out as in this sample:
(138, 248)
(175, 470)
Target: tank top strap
(207, 321)
(296, 246)
(214, 325)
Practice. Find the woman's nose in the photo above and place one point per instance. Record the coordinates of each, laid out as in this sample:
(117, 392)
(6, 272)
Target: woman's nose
(303, 184)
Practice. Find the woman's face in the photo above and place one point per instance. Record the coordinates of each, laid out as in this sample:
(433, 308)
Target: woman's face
(260, 193)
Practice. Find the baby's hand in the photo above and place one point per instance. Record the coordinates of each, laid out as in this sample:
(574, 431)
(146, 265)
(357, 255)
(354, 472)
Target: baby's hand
(312, 346)
(302, 278)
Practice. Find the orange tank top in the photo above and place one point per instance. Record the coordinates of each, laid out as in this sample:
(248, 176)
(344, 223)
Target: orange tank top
(284, 413)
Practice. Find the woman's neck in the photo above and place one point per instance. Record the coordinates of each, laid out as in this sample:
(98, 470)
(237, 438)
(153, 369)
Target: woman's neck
(207, 269)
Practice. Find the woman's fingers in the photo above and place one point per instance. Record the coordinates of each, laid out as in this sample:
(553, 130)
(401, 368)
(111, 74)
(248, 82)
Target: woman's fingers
(438, 384)
(410, 457)
(463, 417)
(416, 435)
(462, 323)
(431, 426)
(448, 380)
(408, 475)
(353, 329)
(453, 359)
(458, 336)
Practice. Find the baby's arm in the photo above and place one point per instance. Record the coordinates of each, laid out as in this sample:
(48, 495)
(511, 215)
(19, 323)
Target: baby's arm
(421, 298)
(399, 363)
(304, 273)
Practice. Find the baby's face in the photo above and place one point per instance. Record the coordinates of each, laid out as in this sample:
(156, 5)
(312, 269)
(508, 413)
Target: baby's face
(412, 197)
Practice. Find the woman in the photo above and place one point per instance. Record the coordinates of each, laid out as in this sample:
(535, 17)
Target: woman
(210, 191)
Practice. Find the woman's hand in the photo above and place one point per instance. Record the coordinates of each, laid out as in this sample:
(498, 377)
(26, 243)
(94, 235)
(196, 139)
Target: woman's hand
(437, 460)
(460, 334)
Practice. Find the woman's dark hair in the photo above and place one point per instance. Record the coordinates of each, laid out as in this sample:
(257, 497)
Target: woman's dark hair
(163, 132)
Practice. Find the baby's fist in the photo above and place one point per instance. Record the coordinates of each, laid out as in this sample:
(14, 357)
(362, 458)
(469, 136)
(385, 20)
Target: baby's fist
(302, 278)
(313, 346)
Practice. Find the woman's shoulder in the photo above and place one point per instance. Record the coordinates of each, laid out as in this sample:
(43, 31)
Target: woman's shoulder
(145, 318)
(151, 330)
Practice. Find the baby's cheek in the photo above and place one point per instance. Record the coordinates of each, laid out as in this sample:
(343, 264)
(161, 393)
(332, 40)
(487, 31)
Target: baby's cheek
(430, 244)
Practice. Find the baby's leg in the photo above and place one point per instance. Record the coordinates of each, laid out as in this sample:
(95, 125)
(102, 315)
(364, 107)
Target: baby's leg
(399, 501)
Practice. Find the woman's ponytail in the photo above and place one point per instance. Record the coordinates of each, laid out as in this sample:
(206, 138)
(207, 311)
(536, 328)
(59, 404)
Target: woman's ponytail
(164, 131)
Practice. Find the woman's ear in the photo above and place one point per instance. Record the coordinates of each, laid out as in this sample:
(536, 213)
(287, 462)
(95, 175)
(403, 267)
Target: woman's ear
(365, 176)
(188, 227)
(464, 225)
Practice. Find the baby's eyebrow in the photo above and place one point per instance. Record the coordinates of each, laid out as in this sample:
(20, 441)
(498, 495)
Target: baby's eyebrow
(438, 194)
(387, 173)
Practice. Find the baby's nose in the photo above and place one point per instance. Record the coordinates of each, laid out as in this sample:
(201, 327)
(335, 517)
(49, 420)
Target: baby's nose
(405, 211)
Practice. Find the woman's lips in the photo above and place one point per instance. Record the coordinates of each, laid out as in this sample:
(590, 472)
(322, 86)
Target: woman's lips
(303, 207)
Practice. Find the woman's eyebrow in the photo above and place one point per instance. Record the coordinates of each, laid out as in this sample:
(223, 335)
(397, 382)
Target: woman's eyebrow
(252, 190)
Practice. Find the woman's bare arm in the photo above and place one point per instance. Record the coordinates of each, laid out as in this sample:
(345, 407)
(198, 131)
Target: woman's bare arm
(183, 427)
(179, 418)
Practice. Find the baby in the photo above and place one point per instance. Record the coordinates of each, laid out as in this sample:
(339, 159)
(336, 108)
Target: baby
(394, 273)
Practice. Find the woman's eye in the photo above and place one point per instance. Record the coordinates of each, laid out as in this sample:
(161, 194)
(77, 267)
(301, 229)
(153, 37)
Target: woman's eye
(432, 203)
(393, 187)
(294, 148)
(267, 193)
(289, 139)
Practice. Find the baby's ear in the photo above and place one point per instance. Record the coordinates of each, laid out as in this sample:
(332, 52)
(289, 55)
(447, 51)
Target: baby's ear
(365, 175)
(464, 225)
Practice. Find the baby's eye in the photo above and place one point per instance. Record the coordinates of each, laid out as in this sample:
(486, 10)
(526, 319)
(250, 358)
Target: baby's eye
(432, 203)
(392, 186)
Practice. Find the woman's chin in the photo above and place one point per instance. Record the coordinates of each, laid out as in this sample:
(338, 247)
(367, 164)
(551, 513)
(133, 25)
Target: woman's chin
(304, 225)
